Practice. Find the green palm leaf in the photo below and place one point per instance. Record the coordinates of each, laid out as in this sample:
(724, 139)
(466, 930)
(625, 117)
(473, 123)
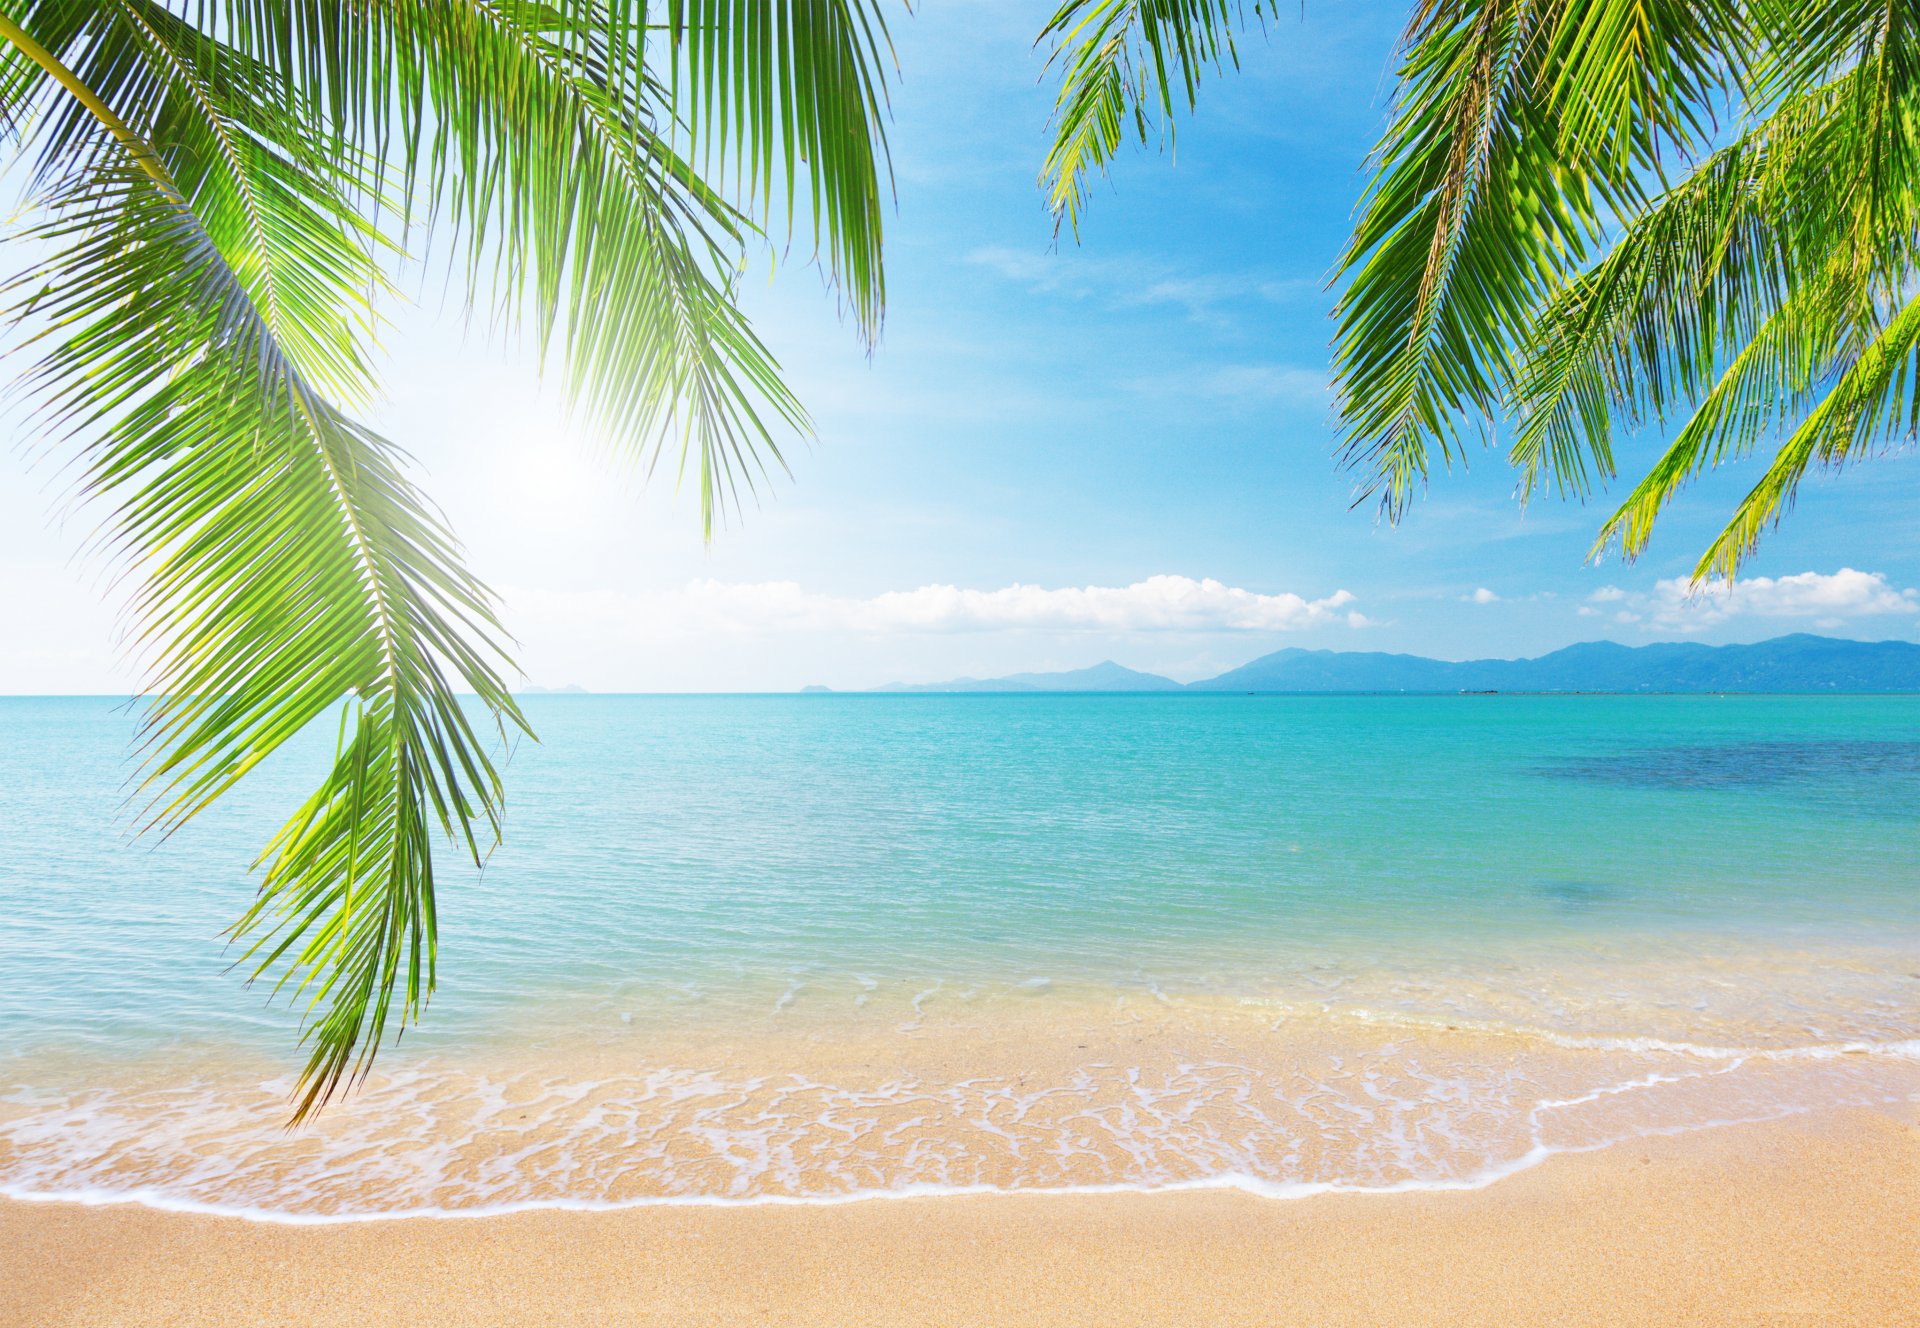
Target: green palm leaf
(224, 189)
(1524, 250)
(1122, 60)
(580, 162)
(287, 564)
(1518, 127)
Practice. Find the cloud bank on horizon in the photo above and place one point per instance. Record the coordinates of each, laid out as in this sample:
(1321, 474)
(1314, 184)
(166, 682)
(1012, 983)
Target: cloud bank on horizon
(1163, 603)
(1175, 603)
(1181, 626)
(1827, 599)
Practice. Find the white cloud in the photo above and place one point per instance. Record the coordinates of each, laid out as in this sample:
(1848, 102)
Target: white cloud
(1160, 603)
(1157, 604)
(1481, 596)
(1607, 595)
(1831, 598)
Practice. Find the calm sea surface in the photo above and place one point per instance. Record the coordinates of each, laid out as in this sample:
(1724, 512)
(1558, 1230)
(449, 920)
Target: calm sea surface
(766, 947)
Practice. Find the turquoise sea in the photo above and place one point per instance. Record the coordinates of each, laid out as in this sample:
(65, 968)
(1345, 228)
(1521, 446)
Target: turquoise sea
(752, 948)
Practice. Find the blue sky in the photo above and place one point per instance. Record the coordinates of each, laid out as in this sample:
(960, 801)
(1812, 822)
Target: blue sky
(1133, 431)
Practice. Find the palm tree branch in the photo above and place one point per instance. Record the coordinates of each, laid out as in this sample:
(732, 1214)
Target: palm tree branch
(617, 235)
(808, 101)
(1873, 399)
(1457, 191)
(1518, 127)
(1703, 293)
(266, 611)
(1103, 49)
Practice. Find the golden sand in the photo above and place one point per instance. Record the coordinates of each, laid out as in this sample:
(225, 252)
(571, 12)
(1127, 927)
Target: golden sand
(1813, 1220)
(1047, 1094)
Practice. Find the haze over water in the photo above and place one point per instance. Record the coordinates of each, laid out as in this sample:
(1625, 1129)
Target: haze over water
(774, 947)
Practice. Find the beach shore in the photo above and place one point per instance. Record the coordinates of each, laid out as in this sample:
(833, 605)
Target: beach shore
(1810, 1220)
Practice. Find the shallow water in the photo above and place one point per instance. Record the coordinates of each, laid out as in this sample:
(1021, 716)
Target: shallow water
(742, 948)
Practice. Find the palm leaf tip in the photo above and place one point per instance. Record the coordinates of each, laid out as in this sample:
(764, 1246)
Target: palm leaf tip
(191, 325)
(1121, 62)
(224, 185)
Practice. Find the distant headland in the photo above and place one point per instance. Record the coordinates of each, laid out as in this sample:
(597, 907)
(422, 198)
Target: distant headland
(1797, 663)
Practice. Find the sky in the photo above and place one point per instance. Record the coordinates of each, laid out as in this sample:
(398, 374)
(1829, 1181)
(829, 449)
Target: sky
(1060, 452)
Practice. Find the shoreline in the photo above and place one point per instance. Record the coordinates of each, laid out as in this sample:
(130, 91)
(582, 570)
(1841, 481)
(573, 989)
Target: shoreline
(1251, 1187)
(1814, 1218)
(1065, 1097)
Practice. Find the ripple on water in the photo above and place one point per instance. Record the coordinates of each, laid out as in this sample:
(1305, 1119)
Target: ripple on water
(1757, 764)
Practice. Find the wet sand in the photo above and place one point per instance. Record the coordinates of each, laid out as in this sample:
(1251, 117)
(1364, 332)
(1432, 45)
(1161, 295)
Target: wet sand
(1811, 1220)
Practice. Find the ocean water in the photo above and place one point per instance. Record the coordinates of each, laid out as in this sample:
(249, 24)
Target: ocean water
(781, 948)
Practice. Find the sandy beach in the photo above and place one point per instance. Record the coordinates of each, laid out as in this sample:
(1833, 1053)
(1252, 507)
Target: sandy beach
(1810, 1220)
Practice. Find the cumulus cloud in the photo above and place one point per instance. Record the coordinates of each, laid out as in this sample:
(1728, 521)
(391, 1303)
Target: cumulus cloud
(1481, 596)
(1828, 599)
(1157, 604)
(1843, 594)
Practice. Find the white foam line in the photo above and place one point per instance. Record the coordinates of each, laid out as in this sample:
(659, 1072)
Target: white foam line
(1909, 1048)
(1814, 1051)
(1252, 1185)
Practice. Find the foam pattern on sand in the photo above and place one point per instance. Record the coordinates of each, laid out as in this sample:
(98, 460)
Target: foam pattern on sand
(1282, 1108)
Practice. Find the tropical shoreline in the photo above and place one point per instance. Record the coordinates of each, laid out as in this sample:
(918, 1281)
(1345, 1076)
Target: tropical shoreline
(1812, 1219)
(1070, 1092)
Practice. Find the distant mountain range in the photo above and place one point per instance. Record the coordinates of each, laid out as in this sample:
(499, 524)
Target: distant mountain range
(1105, 676)
(1798, 663)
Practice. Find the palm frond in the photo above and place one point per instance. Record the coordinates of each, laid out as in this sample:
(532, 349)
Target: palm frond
(288, 218)
(1519, 126)
(285, 561)
(1454, 236)
(794, 96)
(227, 186)
(1772, 378)
(1873, 400)
(1875, 403)
(1122, 60)
(629, 257)
(570, 144)
(1690, 280)
(1735, 295)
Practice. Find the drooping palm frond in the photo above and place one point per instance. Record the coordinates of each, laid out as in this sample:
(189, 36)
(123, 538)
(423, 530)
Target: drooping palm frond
(223, 188)
(795, 96)
(1449, 241)
(1739, 296)
(1519, 126)
(579, 214)
(581, 149)
(286, 564)
(1876, 400)
(1122, 60)
(1594, 214)
(1697, 274)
